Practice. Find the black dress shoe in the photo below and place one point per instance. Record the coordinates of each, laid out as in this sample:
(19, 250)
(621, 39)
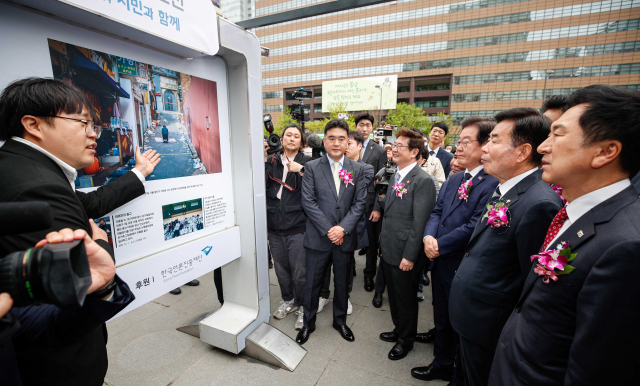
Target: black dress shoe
(389, 336)
(377, 300)
(345, 332)
(176, 291)
(303, 335)
(429, 373)
(193, 283)
(363, 251)
(399, 351)
(368, 284)
(426, 337)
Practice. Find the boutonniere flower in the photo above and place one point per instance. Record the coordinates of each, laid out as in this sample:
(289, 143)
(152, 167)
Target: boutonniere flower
(558, 189)
(400, 190)
(346, 177)
(552, 263)
(497, 215)
(464, 190)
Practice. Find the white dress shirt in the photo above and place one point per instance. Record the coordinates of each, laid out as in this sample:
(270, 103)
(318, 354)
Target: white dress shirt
(510, 183)
(474, 172)
(67, 169)
(435, 151)
(581, 205)
(404, 171)
(332, 161)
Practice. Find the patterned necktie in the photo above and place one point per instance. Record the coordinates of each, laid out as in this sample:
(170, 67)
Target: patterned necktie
(432, 152)
(555, 227)
(336, 177)
(397, 178)
(467, 177)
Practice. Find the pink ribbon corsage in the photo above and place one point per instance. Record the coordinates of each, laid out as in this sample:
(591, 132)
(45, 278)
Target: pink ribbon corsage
(552, 263)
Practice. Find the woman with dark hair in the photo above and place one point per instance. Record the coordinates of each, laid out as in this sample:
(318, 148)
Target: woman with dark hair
(286, 221)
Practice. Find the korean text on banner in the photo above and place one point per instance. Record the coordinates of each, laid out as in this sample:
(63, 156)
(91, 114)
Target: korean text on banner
(186, 22)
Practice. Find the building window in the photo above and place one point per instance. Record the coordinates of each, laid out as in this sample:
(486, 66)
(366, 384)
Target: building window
(169, 99)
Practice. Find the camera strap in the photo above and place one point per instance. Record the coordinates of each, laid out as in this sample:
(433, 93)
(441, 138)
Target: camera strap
(284, 184)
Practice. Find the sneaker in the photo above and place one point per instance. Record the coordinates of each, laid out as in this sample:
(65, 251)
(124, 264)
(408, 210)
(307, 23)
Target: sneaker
(420, 296)
(321, 304)
(284, 309)
(349, 307)
(300, 321)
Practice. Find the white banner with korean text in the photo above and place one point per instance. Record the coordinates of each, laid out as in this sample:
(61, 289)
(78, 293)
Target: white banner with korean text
(190, 23)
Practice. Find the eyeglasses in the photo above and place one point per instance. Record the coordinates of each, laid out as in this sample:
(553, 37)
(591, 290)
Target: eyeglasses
(398, 146)
(465, 143)
(89, 126)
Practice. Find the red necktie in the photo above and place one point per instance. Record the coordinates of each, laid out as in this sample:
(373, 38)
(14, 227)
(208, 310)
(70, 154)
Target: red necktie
(555, 227)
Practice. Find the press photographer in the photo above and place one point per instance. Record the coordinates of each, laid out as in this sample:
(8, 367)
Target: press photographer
(286, 220)
(50, 130)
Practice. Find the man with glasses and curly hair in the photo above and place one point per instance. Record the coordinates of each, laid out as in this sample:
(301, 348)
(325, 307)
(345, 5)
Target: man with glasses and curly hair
(50, 130)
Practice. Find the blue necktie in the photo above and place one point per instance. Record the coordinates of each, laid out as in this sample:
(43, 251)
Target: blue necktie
(397, 178)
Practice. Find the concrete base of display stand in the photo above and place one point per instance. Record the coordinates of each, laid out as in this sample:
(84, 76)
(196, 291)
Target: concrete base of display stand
(266, 344)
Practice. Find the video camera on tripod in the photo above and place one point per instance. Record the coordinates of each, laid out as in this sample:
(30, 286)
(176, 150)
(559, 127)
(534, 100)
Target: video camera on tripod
(298, 113)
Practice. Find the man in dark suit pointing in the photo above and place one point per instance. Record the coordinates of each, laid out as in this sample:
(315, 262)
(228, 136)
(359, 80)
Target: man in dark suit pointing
(446, 236)
(490, 278)
(587, 317)
(333, 197)
(50, 131)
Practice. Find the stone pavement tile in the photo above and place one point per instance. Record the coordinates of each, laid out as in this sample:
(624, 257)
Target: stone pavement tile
(368, 353)
(130, 319)
(339, 373)
(153, 352)
(230, 370)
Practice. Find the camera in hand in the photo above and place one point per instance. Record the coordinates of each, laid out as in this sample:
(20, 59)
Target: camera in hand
(56, 274)
(275, 145)
(384, 132)
(384, 176)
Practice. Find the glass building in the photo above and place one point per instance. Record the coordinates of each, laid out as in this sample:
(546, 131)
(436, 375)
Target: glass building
(462, 57)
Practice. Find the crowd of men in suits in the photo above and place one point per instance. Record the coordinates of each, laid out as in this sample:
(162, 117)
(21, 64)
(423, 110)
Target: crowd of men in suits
(531, 241)
(181, 227)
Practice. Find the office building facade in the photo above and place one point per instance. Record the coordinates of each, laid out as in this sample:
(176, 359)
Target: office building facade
(464, 58)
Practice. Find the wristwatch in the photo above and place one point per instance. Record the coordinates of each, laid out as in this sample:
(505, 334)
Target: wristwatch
(345, 231)
(302, 170)
(108, 290)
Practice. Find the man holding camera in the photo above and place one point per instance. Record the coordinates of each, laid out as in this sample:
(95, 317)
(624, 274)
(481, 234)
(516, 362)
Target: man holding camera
(375, 156)
(333, 197)
(50, 131)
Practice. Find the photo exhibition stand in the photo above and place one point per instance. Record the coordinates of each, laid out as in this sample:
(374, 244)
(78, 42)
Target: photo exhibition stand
(174, 52)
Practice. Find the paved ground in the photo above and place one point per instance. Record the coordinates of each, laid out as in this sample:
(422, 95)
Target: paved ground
(145, 348)
(177, 160)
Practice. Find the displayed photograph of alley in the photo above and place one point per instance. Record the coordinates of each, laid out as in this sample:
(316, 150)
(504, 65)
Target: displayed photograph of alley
(140, 104)
(182, 218)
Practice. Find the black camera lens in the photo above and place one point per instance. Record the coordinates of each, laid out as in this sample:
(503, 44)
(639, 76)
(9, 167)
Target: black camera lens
(274, 143)
(56, 274)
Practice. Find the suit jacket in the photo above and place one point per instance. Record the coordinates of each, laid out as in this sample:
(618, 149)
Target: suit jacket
(490, 278)
(405, 218)
(636, 182)
(453, 220)
(56, 346)
(375, 156)
(325, 209)
(589, 318)
(445, 159)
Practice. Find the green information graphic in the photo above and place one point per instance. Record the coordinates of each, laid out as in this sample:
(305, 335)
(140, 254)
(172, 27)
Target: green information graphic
(361, 93)
(127, 66)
